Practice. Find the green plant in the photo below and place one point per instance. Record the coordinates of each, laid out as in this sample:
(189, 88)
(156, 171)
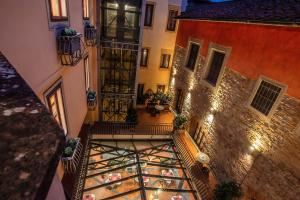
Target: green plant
(179, 121)
(68, 32)
(89, 25)
(72, 143)
(68, 152)
(91, 95)
(227, 191)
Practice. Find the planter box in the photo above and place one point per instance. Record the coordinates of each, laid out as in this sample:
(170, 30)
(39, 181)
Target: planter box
(90, 35)
(68, 44)
(71, 163)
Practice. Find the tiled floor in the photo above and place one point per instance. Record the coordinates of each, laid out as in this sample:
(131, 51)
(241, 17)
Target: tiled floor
(164, 117)
(105, 161)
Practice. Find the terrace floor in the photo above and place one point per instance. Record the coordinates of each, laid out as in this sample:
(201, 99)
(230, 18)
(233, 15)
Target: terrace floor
(133, 170)
(145, 117)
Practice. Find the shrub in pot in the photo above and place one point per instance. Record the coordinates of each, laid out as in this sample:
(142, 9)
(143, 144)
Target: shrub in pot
(227, 191)
(70, 148)
(179, 122)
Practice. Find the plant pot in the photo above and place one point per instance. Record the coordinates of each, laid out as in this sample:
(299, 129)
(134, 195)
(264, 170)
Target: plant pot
(70, 163)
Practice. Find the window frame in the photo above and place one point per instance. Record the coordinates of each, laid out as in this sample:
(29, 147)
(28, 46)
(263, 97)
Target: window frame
(87, 72)
(147, 61)
(48, 93)
(197, 42)
(58, 18)
(158, 85)
(162, 58)
(88, 10)
(277, 101)
(176, 9)
(219, 48)
(153, 4)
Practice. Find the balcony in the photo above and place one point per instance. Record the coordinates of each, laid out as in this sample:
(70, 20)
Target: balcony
(90, 34)
(70, 47)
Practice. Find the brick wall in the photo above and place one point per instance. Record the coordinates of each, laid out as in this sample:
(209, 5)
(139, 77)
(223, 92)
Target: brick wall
(235, 128)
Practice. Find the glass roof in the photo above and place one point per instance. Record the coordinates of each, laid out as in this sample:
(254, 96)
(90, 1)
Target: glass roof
(135, 170)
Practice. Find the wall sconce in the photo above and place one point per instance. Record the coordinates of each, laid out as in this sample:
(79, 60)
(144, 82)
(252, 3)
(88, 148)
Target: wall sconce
(210, 118)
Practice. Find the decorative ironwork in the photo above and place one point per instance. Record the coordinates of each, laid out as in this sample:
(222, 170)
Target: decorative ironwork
(70, 164)
(70, 49)
(90, 34)
(136, 163)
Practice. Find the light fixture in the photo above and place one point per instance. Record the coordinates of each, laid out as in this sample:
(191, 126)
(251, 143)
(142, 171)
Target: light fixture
(256, 146)
(210, 118)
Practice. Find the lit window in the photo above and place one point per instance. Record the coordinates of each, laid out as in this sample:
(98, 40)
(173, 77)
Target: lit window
(171, 25)
(149, 15)
(58, 10)
(192, 57)
(144, 57)
(161, 88)
(55, 104)
(86, 11)
(87, 73)
(266, 96)
(215, 66)
(165, 60)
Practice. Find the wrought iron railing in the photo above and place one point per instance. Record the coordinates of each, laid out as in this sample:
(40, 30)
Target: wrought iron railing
(130, 128)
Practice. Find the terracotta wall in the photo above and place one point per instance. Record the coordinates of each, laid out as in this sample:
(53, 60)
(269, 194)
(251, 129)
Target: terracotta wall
(272, 51)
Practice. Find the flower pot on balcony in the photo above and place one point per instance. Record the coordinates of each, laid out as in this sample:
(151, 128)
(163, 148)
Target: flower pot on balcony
(90, 34)
(71, 155)
(91, 99)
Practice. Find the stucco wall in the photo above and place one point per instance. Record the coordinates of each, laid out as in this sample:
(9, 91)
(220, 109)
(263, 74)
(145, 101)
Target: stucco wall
(29, 43)
(267, 50)
(157, 38)
(235, 128)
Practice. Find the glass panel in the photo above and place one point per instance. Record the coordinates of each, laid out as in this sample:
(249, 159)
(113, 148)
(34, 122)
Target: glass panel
(149, 15)
(54, 110)
(55, 8)
(63, 8)
(215, 67)
(61, 110)
(171, 21)
(165, 60)
(193, 55)
(144, 58)
(86, 8)
(87, 73)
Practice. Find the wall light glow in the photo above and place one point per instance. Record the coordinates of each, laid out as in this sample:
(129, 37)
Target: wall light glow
(210, 118)
(174, 71)
(257, 145)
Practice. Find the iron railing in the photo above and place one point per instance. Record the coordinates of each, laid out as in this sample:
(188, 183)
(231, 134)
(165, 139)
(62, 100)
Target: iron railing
(130, 128)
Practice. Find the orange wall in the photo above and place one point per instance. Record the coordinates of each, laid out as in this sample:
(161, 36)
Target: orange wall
(273, 51)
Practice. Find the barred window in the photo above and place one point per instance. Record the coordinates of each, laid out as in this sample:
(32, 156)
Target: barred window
(265, 97)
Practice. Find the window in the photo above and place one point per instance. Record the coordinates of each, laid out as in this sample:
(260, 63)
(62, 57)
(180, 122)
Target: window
(165, 60)
(144, 57)
(171, 25)
(54, 99)
(86, 11)
(161, 88)
(266, 96)
(87, 73)
(149, 15)
(215, 66)
(58, 10)
(192, 56)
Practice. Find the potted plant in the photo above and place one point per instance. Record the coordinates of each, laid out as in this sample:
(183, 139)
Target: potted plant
(68, 41)
(71, 155)
(227, 191)
(165, 100)
(179, 122)
(131, 116)
(91, 99)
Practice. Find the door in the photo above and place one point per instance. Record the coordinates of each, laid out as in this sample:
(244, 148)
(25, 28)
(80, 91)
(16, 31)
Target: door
(140, 94)
(179, 101)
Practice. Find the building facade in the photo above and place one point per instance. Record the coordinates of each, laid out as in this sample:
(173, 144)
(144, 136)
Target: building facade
(238, 83)
(159, 35)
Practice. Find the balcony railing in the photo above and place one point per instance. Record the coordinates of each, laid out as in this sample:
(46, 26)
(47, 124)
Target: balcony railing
(70, 49)
(131, 129)
(90, 34)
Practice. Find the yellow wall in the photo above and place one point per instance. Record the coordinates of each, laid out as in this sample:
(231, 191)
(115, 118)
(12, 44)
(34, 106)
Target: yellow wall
(157, 38)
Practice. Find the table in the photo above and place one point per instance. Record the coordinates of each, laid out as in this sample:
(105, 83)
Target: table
(88, 197)
(178, 197)
(159, 107)
(146, 179)
(114, 177)
(202, 158)
(169, 173)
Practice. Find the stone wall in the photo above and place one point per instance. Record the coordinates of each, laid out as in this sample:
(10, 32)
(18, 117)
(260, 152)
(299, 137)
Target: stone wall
(235, 128)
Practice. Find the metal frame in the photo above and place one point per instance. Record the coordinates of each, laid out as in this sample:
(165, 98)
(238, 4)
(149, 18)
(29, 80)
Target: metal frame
(96, 144)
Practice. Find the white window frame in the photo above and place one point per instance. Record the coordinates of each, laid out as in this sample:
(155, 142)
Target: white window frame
(276, 103)
(50, 90)
(187, 55)
(219, 48)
